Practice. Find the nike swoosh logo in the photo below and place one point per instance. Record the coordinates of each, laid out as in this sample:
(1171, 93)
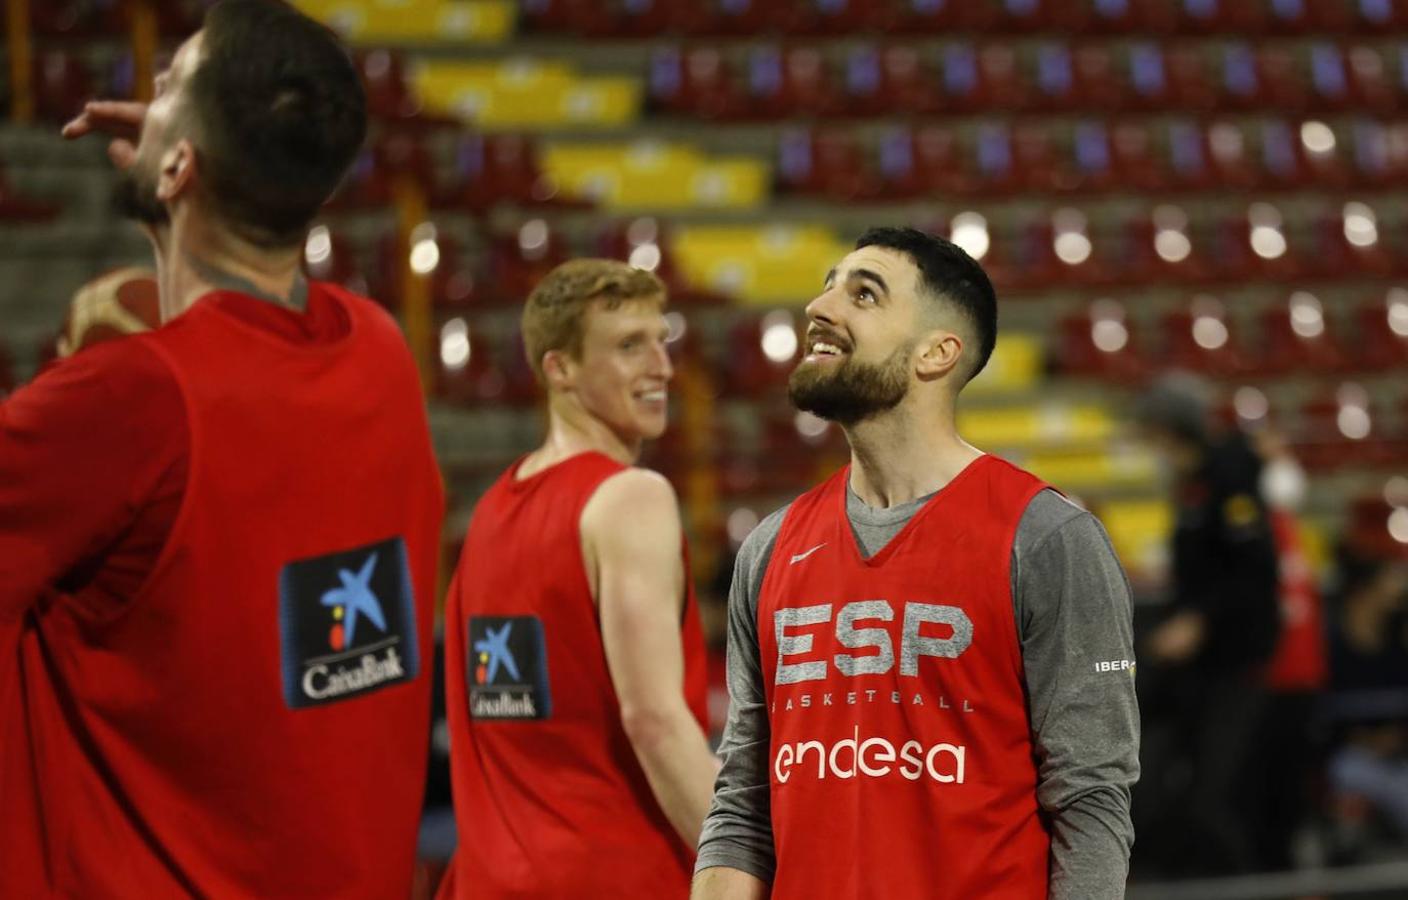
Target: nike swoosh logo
(801, 556)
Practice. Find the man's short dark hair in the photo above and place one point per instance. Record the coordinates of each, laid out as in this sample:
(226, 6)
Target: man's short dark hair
(279, 115)
(949, 273)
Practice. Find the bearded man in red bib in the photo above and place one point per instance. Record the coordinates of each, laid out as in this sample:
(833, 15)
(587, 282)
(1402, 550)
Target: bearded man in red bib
(931, 654)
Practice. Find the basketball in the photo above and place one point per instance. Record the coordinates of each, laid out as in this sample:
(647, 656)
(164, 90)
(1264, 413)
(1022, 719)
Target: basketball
(118, 303)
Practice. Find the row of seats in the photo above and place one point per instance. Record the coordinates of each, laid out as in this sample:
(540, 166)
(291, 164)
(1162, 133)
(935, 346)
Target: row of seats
(111, 18)
(771, 80)
(1298, 336)
(1041, 252)
(652, 18)
(905, 162)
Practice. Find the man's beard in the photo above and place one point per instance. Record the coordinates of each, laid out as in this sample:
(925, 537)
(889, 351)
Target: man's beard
(854, 391)
(134, 197)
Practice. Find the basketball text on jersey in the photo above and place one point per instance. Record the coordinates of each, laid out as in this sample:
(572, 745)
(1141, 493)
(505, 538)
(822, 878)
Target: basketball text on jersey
(507, 668)
(347, 624)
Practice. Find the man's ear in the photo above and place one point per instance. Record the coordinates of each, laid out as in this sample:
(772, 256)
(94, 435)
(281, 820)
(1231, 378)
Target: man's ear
(178, 171)
(940, 352)
(559, 370)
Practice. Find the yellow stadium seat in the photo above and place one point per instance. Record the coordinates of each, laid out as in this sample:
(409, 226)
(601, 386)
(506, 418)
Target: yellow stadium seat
(1015, 365)
(763, 265)
(415, 21)
(1139, 530)
(654, 175)
(525, 94)
(1034, 427)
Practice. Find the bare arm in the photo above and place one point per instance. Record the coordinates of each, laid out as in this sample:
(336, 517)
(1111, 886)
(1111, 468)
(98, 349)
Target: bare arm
(722, 883)
(632, 538)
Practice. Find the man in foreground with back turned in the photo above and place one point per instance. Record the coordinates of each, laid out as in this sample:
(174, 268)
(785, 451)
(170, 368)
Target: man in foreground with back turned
(218, 539)
(931, 654)
(575, 682)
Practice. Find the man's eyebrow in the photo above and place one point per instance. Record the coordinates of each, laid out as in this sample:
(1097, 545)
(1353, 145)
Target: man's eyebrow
(830, 276)
(871, 276)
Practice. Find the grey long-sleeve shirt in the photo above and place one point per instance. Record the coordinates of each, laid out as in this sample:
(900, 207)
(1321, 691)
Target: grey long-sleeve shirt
(1074, 619)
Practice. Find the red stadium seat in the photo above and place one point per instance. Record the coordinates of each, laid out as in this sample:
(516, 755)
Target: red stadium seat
(750, 372)
(1134, 158)
(519, 259)
(1001, 85)
(1200, 339)
(1039, 164)
(492, 170)
(961, 82)
(389, 95)
(435, 255)
(792, 82)
(1189, 86)
(1054, 78)
(895, 80)
(1381, 16)
(1282, 83)
(695, 82)
(366, 185)
(328, 256)
(1231, 161)
(1329, 77)
(996, 167)
(1100, 343)
(1344, 427)
(1383, 331)
(1240, 78)
(1348, 242)
(466, 372)
(1099, 84)
(830, 164)
(1298, 337)
(1111, 17)
(848, 17)
(1370, 84)
(932, 16)
(1190, 165)
(924, 161)
(62, 84)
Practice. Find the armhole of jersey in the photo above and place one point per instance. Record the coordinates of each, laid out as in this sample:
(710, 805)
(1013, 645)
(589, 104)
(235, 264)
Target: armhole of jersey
(193, 460)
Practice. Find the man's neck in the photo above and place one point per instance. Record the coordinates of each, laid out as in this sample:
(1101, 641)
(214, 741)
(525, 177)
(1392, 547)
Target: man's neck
(573, 430)
(189, 268)
(901, 456)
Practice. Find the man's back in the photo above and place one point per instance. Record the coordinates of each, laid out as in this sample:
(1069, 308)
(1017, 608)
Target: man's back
(550, 798)
(249, 722)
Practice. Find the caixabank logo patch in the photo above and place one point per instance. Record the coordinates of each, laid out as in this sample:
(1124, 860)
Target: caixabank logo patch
(507, 668)
(348, 624)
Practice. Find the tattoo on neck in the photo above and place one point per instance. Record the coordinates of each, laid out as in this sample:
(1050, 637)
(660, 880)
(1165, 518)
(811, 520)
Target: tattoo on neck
(297, 296)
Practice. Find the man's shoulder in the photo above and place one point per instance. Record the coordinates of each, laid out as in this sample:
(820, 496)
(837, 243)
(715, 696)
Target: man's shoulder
(756, 549)
(127, 370)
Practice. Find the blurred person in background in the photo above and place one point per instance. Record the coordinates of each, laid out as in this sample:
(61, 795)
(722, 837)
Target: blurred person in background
(1299, 668)
(576, 680)
(1210, 654)
(1368, 704)
(218, 539)
(930, 655)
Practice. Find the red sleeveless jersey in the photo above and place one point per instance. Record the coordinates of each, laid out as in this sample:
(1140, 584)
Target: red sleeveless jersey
(254, 723)
(549, 798)
(1300, 662)
(901, 756)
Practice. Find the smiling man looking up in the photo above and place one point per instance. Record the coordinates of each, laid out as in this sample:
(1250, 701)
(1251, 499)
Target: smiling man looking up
(218, 539)
(930, 654)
